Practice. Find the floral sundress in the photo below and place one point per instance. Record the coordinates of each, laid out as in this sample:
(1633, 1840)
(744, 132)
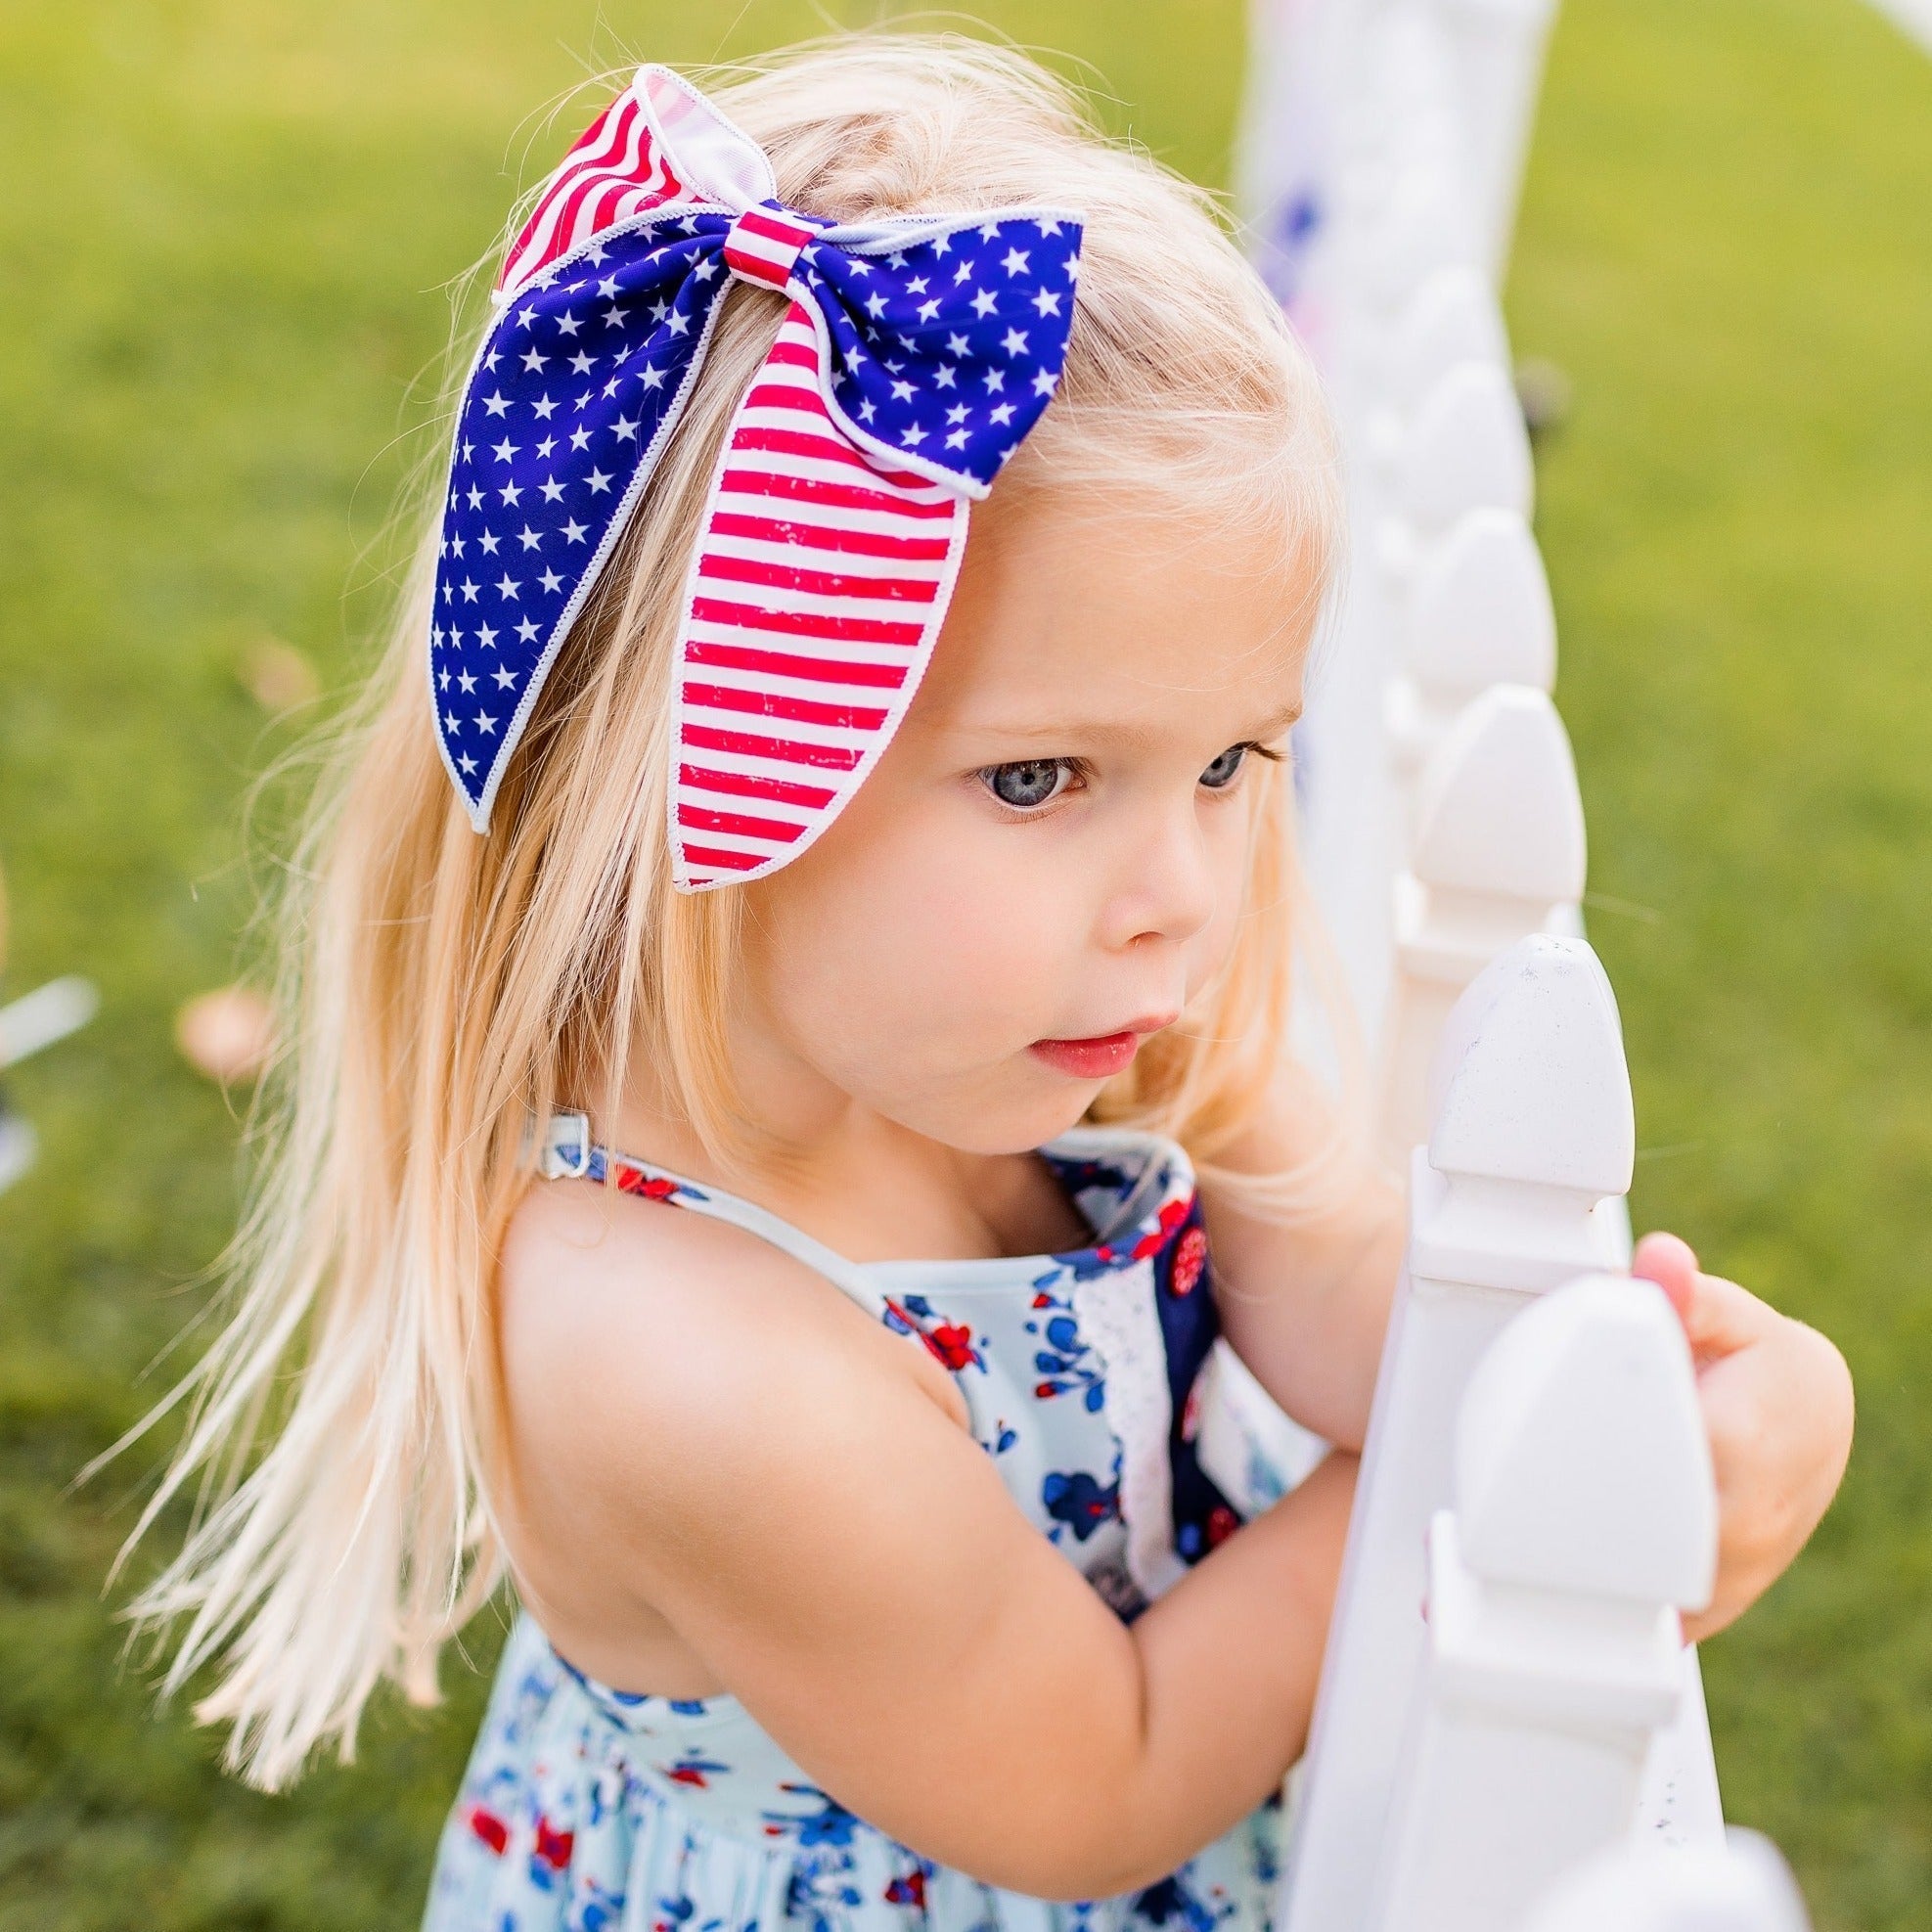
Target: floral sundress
(586, 1809)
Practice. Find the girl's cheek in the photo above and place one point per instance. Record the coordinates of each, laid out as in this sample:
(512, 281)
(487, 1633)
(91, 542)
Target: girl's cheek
(1214, 945)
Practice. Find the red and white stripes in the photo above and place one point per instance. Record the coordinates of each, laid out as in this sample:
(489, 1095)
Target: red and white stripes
(614, 171)
(763, 245)
(814, 599)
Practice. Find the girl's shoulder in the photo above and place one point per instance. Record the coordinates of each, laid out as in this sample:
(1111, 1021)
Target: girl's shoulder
(629, 1313)
(666, 1377)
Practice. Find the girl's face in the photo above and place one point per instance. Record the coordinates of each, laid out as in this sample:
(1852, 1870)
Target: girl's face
(1050, 861)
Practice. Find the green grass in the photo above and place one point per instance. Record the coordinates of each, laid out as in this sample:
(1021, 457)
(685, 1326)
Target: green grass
(1727, 242)
(226, 229)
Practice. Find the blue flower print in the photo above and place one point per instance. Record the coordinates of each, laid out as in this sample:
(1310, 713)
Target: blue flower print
(1171, 1901)
(819, 1893)
(587, 1809)
(1088, 1264)
(1075, 1499)
(830, 1825)
(595, 1909)
(680, 1914)
(1068, 1363)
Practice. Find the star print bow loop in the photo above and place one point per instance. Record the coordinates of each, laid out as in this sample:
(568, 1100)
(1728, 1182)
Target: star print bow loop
(915, 354)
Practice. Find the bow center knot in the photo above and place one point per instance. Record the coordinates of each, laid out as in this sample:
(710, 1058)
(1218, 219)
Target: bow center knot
(763, 245)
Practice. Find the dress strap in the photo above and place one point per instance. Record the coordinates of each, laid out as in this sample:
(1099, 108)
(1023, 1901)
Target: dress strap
(570, 1153)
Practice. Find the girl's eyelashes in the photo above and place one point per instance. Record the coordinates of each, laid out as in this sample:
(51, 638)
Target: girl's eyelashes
(1227, 768)
(1029, 784)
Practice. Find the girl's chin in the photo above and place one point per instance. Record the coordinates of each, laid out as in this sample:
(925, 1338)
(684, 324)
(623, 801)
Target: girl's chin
(1012, 1118)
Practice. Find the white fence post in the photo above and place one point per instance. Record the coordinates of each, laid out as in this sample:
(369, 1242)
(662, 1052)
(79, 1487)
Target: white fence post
(1498, 841)
(1495, 50)
(1740, 1885)
(1585, 1519)
(1453, 318)
(1409, 119)
(1467, 449)
(1534, 1131)
(1477, 614)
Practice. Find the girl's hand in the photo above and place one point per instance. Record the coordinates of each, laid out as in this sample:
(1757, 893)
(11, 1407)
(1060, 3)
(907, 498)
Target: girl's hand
(1777, 1406)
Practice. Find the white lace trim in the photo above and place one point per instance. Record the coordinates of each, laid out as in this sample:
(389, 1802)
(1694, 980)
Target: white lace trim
(1119, 1319)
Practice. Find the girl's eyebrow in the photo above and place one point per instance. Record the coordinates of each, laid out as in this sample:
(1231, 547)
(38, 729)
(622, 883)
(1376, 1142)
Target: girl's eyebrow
(1280, 721)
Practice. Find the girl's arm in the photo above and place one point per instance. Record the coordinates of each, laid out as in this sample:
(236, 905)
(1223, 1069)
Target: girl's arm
(747, 1453)
(1305, 1302)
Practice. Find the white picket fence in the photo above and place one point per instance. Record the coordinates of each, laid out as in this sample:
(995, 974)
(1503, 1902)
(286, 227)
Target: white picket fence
(1511, 1735)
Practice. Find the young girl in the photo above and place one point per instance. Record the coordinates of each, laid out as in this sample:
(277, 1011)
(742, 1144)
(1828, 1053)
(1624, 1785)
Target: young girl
(692, 952)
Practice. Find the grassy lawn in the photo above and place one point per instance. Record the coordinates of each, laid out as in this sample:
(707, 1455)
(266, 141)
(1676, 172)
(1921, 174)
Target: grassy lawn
(226, 229)
(1727, 242)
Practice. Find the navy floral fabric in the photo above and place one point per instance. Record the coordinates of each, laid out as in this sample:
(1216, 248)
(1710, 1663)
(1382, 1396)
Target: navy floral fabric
(586, 1808)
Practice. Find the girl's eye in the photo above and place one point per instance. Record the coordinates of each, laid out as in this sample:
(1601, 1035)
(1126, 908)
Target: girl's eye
(1227, 768)
(1029, 784)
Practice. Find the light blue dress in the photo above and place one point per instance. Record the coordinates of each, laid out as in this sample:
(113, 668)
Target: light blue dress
(587, 1808)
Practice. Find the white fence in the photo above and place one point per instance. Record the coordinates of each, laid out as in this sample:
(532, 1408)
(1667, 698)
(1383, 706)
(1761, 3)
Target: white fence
(1511, 1735)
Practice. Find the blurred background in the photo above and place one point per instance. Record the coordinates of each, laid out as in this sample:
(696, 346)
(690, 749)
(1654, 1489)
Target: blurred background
(227, 235)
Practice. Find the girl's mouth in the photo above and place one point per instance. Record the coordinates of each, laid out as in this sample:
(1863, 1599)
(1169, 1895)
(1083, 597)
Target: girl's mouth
(1099, 1057)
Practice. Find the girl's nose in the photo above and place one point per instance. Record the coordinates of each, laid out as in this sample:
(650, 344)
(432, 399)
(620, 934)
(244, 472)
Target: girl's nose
(1165, 886)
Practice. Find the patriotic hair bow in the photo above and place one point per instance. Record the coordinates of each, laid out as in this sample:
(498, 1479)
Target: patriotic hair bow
(915, 354)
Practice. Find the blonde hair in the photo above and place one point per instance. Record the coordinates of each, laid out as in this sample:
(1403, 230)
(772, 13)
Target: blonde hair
(443, 988)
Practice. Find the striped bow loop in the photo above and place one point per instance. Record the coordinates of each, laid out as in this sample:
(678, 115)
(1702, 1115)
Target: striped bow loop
(913, 355)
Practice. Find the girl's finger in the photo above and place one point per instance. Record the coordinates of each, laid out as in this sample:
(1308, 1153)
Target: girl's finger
(1669, 1261)
(1720, 1317)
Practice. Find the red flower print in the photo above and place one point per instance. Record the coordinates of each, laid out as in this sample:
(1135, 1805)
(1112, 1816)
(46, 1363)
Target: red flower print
(1171, 1217)
(1190, 1260)
(653, 1186)
(491, 1829)
(1222, 1523)
(949, 1343)
(552, 1847)
(908, 1891)
(952, 1343)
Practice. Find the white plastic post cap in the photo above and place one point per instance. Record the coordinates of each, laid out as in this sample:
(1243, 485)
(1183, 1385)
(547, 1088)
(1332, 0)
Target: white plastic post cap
(1453, 319)
(1530, 1083)
(1743, 1886)
(1497, 810)
(1467, 449)
(1425, 227)
(1479, 612)
(1581, 1459)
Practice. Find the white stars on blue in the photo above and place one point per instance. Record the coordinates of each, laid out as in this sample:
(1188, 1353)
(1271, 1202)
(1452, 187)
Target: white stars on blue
(943, 350)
